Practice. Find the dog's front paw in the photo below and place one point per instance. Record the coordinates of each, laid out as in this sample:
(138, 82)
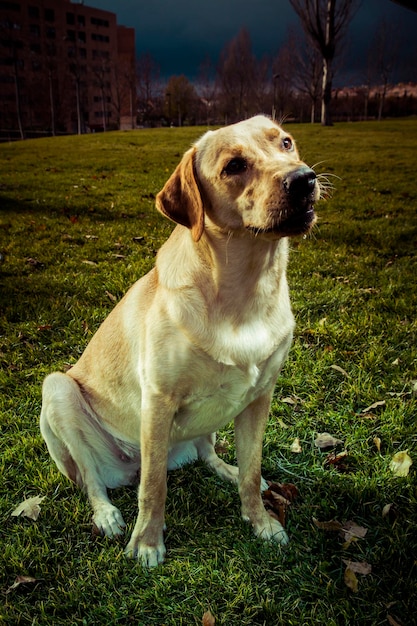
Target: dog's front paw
(108, 520)
(271, 530)
(148, 555)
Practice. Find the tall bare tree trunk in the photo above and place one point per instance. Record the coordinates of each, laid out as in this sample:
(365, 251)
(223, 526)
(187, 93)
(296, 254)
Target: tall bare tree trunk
(325, 23)
(326, 93)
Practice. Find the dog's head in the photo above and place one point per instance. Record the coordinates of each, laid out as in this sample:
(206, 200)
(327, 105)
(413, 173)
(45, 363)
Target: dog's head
(244, 178)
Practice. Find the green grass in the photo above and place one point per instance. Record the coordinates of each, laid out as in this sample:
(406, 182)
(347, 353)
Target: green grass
(78, 226)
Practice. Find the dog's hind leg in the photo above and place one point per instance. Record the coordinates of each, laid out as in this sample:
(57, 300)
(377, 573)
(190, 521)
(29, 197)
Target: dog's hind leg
(82, 450)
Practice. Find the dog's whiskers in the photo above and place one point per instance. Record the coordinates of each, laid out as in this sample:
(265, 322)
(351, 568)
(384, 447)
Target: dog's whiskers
(325, 185)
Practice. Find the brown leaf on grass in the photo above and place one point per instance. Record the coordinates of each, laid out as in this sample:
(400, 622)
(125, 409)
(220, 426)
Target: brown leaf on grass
(44, 327)
(339, 369)
(401, 463)
(387, 509)
(289, 400)
(337, 460)
(29, 508)
(22, 580)
(351, 580)
(353, 568)
(277, 498)
(392, 621)
(373, 406)
(330, 526)
(110, 296)
(377, 442)
(208, 619)
(359, 567)
(87, 262)
(296, 446)
(350, 530)
(325, 440)
(222, 446)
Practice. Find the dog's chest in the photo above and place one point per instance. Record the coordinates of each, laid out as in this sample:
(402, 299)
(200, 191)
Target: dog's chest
(220, 392)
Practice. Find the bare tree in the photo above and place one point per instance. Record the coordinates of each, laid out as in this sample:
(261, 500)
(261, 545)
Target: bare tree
(147, 73)
(284, 68)
(383, 55)
(236, 73)
(180, 97)
(307, 71)
(207, 87)
(325, 23)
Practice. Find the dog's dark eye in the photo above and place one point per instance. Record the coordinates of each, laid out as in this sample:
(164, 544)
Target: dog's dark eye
(287, 143)
(235, 166)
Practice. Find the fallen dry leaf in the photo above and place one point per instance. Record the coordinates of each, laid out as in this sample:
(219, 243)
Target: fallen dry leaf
(392, 621)
(339, 369)
(277, 498)
(350, 580)
(377, 442)
(29, 508)
(296, 446)
(401, 463)
(359, 567)
(22, 580)
(375, 405)
(353, 568)
(352, 530)
(325, 440)
(331, 526)
(111, 296)
(289, 400)
(336, 460)
(222, 446)
(87, 262)
(387, 508)
(208, 619)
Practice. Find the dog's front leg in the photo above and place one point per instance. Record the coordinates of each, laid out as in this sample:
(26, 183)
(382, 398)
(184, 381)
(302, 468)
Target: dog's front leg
(147, 543)
(249, 430)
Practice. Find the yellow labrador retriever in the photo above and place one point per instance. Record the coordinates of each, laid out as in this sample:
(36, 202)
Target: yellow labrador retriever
(196, 343)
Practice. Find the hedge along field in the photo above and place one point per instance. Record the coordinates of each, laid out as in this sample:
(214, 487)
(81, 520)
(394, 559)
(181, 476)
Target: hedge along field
(78, 227)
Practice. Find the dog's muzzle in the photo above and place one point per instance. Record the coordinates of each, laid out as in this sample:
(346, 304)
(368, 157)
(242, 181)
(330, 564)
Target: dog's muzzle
(300, 185)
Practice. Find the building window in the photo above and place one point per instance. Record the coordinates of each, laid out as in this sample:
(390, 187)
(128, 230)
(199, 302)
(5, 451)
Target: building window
(50, 32)
(9, 6)
(81, 20)
(70, 18)
(36, 66)
(51, 49)
(34, 30)
(98, 37)
(70, 35)
(35, 47)
(81, 36)
(83, 53)
(49, 15)
(33, 12)
(99, 22)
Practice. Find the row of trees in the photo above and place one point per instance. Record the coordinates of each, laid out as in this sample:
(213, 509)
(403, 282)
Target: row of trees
(297, 83)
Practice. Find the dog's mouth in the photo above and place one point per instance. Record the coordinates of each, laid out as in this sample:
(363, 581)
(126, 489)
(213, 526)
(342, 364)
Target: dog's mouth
(298, 222)
(300, 191)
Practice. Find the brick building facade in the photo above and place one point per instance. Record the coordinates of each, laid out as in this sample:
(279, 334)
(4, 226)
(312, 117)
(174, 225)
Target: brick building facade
(64, 67)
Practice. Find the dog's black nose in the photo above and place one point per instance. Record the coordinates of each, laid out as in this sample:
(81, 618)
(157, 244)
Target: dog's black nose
(300, 183)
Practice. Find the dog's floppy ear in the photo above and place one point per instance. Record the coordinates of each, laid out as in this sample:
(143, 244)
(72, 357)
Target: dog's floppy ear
(180, 199)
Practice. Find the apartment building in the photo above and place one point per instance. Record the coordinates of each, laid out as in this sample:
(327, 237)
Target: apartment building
(64, 67)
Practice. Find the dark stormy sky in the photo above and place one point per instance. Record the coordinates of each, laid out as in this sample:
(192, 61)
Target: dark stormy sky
(179, 34)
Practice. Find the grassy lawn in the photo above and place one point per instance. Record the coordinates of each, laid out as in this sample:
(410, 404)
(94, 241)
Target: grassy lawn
(78, 226)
